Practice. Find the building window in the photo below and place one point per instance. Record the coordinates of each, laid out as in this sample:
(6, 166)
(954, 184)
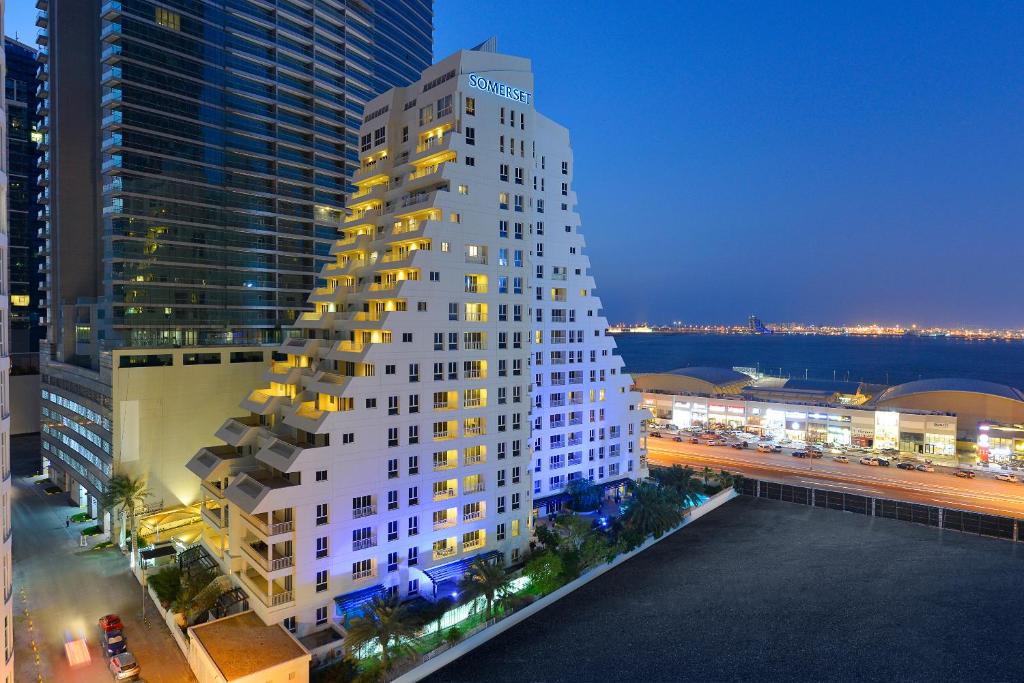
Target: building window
(393, 500)
(393, 530)
(321, 514)
(470, 106)
(321, 581)
(414, 370)
(289, 623)
(414, 434)
(321, 547)
(393, 562)
(414, 464)
(500, 534)
(413, 558)
(414, 495)
(414, 526)
(321, 475)
(348, 437)
(392, 442)
(470, 136)
(168, 19)
(362, 569)
(414, 587)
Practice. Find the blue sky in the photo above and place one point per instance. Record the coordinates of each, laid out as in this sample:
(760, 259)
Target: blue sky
(826, 162)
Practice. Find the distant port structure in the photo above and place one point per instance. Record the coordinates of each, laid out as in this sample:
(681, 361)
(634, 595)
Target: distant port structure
(755, 326)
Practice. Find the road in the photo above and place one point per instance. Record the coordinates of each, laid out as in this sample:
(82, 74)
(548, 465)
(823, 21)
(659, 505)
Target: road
(982, 494)
(59, 588)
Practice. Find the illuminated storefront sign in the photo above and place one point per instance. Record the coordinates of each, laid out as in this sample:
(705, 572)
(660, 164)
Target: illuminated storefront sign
(500, 89)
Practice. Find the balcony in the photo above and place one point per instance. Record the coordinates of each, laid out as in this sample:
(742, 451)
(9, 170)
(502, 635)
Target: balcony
(366, 573)
(444, 494)
(365, 511)
(364, 543)
(472, 516)
(216, 462)
(365, 215)
(283, 372)
(239, 431)
(301, 346)
(444, 465)
(265, 530)
(263, 402)
(444, 524)
(474, 488)
(257, 551)
(261, 492)
(436, 146)
(213, 516)
(316, 320)
(472, 545)
(381, 167)
(443, 553)
(474, 460)
(269, 593)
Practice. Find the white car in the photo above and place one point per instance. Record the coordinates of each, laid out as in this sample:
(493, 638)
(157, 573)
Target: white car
(1006, 476)
(764, 448)
(869, 461)
(840, 458)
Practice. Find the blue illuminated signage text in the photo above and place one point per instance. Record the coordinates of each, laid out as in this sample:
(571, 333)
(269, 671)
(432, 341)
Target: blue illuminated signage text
(500, 89)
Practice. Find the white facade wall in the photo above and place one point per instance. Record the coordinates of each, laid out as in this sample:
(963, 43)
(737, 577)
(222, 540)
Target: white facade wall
(400, 425)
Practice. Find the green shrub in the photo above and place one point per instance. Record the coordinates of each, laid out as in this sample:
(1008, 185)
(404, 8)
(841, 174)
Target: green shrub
(92, 530)
(546, 572)
(166, 584)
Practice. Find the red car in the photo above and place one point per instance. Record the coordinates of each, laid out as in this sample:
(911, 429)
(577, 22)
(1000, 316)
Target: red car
(111, 622)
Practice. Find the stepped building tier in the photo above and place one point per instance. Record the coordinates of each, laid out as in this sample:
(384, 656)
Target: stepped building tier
(455, 376)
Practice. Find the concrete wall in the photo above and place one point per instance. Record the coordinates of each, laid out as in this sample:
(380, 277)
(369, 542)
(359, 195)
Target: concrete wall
(163, 415)
(24, 404)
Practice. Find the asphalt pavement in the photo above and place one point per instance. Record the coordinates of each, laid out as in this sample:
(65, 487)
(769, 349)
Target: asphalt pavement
(62, 590)
(984, 493)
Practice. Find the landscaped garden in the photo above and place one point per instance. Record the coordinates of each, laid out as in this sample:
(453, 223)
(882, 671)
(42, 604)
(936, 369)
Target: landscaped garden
(389, 637)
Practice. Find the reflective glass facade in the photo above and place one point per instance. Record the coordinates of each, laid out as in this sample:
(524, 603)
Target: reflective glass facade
(23, 196)
(228, 133)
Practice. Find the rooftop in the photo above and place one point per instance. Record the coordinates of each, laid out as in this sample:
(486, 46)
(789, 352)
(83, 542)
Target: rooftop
(241, 645)
(972, 386)
(717, 376)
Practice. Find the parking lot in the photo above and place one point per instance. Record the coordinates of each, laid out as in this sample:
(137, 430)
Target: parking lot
(776, 591)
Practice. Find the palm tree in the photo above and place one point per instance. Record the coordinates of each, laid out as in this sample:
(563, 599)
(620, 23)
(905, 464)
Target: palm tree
(652, 510)
(725, 479)
(486, 579)
(129, 497)
(389, 623)
(585, 495)
(681, 480)
(707, 473)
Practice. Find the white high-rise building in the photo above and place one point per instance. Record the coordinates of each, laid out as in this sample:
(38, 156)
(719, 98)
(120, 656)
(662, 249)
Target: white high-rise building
(6, 570)
(455, 376)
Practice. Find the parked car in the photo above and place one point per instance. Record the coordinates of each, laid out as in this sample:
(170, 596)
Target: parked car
(694, 439)
(799, 454)
(924, 467)
(906, 466)
(840, 458)
(715, 442)
(740, 445)
(814, 453)
(110, 622)
(677, 438)
(882, 462)
(1006, 476)
(124, 667)
(869, 461)
(114, 642)
(776, 448)
(656, 435)
(964, 474)
(764, 448)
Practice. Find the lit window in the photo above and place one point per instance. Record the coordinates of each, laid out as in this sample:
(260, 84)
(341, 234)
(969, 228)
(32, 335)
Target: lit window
(168, 19)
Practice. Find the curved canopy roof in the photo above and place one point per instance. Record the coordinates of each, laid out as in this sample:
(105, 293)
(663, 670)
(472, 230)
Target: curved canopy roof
(971, 386)
(716, 376)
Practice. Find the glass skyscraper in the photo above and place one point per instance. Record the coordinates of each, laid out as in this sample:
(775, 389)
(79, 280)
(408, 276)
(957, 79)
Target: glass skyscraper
(228, 133)
(198, 157)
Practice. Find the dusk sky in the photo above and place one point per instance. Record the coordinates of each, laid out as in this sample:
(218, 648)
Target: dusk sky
(819, 162)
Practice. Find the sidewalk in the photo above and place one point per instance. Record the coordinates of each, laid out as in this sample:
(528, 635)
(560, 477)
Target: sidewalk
(61, 590)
